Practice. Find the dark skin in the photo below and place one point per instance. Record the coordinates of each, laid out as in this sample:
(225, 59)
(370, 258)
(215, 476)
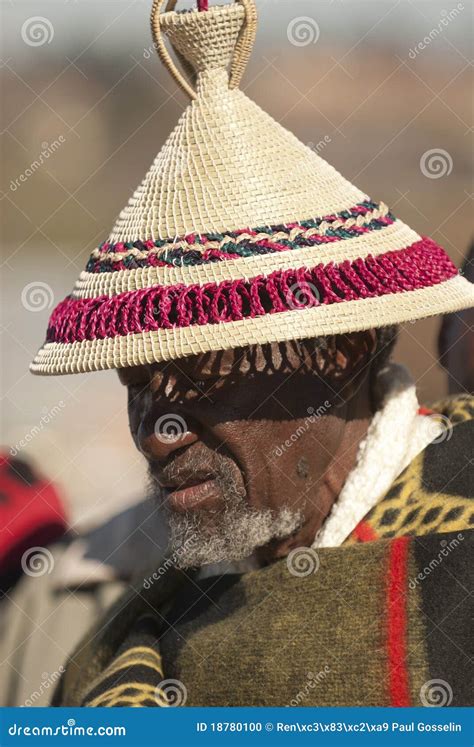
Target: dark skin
(249, 411)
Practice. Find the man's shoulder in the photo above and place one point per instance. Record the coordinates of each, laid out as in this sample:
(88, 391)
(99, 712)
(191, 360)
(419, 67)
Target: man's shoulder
(446, 466)
(435, 492)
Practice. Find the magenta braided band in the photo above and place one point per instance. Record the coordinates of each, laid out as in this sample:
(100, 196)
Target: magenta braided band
(420, 265)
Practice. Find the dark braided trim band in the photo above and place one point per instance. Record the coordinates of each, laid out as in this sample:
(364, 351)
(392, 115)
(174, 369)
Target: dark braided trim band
(420, 265)
(198, 249)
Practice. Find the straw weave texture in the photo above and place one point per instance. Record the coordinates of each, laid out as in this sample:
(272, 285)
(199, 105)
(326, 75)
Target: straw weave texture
(171, 344)
(227, 164)
(233, 208)
(389, 239)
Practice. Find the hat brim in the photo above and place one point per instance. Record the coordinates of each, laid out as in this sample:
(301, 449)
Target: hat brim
(156, 346)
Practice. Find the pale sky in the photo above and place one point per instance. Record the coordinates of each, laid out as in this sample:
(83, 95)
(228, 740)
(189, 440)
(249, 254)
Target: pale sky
(399, 23)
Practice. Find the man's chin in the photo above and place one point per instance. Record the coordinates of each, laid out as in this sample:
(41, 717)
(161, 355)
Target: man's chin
(202, 537)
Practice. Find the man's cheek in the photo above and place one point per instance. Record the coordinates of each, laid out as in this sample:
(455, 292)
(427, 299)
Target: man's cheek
(134, 425)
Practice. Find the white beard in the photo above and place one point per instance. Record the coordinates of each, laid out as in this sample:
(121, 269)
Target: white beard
(231, 533)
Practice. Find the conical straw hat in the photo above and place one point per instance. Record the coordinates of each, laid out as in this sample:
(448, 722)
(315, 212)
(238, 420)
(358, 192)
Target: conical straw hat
(239, 233)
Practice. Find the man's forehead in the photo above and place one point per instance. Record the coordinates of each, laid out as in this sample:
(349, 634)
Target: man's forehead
(271, 357)
(254, 358)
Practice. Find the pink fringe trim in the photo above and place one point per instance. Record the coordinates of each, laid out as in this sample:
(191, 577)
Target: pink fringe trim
(420, 265)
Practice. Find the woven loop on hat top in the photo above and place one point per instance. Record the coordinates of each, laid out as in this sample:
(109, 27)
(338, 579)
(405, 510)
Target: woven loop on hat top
(222, 37)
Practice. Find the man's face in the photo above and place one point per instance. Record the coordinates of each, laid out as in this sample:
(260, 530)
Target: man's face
(238, 442)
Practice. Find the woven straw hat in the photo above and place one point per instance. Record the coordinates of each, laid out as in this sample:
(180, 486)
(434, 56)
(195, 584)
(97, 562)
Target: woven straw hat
(239, 233)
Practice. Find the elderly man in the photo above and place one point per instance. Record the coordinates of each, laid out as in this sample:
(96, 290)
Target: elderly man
(319, 518)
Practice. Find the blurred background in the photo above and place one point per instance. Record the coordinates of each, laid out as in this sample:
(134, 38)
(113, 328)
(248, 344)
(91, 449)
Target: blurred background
(381, 88)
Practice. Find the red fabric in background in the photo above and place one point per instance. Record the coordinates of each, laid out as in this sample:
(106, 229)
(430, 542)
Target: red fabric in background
(31, 511)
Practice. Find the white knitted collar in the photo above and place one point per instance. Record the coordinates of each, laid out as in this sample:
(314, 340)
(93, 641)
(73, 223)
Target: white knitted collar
(397, 433)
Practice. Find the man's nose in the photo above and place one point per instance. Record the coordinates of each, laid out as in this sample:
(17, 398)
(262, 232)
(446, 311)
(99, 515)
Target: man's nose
(158, 438)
